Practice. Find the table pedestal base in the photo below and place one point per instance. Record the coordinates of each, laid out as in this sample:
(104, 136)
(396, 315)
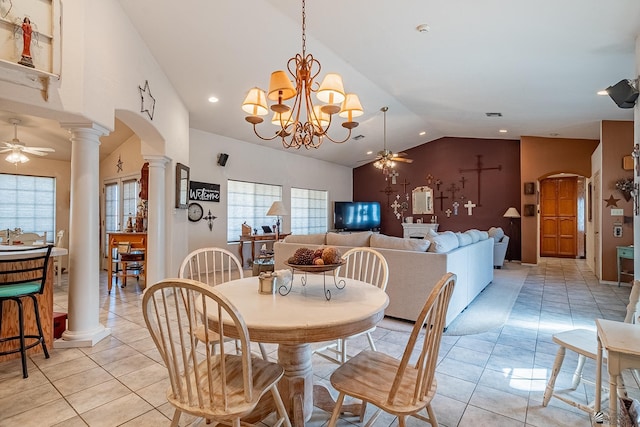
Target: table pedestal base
(296, 386)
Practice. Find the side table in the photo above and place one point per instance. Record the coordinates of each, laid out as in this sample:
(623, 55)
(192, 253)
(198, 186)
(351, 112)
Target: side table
(623, 252)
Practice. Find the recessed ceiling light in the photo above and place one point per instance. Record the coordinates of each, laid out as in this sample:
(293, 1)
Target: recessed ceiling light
(602, 93)
(493, 114)
(554, 134)
(213, 99)
(369, 153)
(502, 131)
(423, 28)
(358, 137)
(422, 133)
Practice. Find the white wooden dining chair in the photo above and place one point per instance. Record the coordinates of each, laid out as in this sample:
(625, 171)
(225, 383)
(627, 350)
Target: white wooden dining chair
(213, 266)
(584, 343)
(219, 387)
(401, 387)
(367, 265)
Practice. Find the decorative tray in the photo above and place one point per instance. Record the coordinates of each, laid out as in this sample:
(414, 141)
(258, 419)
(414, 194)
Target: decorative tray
(314, 268)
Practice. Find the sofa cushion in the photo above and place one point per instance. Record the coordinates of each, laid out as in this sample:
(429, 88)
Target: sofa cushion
(475, 235)
(497, 233)
(390, 242)
(464, 239)
(443, 242)
(309, 239)
(483, 235)
(359, 239)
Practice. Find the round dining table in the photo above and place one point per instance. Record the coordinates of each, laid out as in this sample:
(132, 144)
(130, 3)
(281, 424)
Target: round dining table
(299, 318)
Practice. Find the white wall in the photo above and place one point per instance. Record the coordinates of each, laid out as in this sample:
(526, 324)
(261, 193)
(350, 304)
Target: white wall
(256, 163)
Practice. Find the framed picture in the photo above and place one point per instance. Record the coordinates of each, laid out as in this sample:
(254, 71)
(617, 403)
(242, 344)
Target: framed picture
(182, 186)
(529, 210)
(529, 188)
(627, 163)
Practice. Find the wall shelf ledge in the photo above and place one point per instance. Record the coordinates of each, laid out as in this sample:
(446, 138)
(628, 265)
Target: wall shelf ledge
(25, 76)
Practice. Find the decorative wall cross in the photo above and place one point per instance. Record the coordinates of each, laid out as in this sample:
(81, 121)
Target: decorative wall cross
(469, 205)
(455, 207)
(453, 189)
(463, 180)
(429, 179)
(404, 185)
(438, 184)
(448, 212)
(387, 190)
(441, 197)
(209, 218)
(479, 170)
(393, 175)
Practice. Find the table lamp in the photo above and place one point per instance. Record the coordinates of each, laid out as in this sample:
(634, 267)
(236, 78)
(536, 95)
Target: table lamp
(277, 209)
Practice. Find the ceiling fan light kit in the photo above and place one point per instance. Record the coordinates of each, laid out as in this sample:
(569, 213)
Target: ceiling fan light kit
(297, 128)
(17, 149)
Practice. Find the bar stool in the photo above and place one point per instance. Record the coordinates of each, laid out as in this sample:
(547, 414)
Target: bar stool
(23, 273)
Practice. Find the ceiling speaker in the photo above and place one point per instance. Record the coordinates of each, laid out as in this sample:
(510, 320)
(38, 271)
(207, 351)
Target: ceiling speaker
(623, 93)
(222, 159)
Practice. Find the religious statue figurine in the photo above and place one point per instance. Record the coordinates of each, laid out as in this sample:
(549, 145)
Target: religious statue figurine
(27, 31)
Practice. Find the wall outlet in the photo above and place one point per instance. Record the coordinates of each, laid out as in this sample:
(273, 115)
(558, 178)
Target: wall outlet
(617, 212)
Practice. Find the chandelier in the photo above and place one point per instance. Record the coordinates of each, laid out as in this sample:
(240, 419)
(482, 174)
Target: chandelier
(16, 156)
(303, 124)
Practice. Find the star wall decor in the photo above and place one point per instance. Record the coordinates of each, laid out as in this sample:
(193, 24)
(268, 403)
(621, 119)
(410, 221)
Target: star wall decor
(147, 101)
(612, 201)
(119, 164)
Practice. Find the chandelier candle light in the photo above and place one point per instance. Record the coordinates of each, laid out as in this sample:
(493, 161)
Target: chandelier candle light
(297, 128)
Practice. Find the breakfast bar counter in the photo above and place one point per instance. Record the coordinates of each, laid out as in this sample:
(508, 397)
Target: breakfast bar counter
(9, 322)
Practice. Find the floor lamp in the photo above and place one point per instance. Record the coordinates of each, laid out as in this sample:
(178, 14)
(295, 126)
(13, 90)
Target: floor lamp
(511, 213)
(277, 209)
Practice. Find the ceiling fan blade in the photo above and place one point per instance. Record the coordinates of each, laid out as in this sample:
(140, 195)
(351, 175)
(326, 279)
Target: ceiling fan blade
(5, 150)
(402, 159)
(400, 154)
(35, 153)
(45, 149)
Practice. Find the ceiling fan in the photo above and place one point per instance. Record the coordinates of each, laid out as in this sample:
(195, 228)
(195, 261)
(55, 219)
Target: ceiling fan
(18, 149)
(386, 159)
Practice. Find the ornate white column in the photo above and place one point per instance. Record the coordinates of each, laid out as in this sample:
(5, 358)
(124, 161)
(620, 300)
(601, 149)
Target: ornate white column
(156, 254)
(636, 176)
(84, 328)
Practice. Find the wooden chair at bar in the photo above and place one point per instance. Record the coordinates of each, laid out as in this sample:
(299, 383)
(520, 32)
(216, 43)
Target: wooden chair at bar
(23, 277)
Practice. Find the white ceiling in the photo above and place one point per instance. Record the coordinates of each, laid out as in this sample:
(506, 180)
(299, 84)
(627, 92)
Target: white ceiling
(538, 63)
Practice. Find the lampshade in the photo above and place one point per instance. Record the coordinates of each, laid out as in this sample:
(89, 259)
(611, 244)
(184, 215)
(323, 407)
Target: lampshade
(280, 83)
(511, 213)
(321, 116)
(277, 209)
(255, 103)
(351, 107)
(331, 89)
(282, 119)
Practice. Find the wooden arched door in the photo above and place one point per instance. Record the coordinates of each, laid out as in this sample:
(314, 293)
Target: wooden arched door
(558, 217)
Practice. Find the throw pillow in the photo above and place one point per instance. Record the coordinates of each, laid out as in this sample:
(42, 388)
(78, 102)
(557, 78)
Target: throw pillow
(307, 239)
(464, 239)
(497, 233)
(442, 243)
(355, 240)
(390, 242)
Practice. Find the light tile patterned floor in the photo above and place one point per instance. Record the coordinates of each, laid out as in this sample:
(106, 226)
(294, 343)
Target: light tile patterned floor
(496, 378)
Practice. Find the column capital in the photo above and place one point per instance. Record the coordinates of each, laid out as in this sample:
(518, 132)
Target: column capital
(87, 126)
(156, 160)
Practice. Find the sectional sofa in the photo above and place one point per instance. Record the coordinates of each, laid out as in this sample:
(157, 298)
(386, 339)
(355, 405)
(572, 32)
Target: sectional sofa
(415, 265)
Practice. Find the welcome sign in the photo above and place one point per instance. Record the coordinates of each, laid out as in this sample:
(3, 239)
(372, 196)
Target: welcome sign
(204, 192)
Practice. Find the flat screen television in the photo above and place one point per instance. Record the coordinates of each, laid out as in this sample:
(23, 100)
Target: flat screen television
(356, 216)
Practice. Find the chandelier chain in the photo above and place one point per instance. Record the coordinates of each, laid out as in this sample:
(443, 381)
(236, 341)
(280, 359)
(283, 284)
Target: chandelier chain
(304, 29)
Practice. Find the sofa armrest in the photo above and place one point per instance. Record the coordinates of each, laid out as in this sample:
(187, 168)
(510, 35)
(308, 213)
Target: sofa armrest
(500, 252)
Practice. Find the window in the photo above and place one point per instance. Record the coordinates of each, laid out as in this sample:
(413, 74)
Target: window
(28, 203)
(249, 201)
(308, 211)
(120, 203)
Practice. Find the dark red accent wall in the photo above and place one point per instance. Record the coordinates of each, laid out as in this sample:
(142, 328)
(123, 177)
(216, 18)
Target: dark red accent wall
(443, 159)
